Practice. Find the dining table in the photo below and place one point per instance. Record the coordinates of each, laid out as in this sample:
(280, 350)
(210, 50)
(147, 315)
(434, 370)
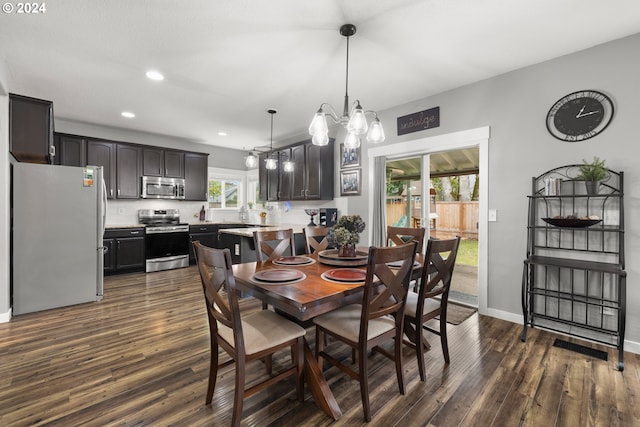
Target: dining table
(302, 287)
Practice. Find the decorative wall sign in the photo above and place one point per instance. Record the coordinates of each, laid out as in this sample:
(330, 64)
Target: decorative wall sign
(349, 157)
(422, 120)
(350, 182)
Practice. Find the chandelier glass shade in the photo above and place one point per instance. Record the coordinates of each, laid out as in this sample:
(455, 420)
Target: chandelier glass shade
(353, 119)
(271, 160)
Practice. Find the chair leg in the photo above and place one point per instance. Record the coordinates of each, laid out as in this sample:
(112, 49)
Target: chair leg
(299, 361)
(320, 339)
(238, 399)
(364, 384)
(443, 336)
(213, 373)
(398, 360)
(420, 352)
(268, 364)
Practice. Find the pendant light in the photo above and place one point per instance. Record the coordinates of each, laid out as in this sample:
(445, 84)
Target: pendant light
(272, 162)
(353, 119)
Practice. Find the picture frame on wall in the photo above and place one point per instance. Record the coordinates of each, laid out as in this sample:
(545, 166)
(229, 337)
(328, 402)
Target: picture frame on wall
(349, 157)
(350, 182)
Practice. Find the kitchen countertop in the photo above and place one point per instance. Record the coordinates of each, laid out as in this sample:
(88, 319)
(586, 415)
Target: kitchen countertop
(115, 226)
(248, 231)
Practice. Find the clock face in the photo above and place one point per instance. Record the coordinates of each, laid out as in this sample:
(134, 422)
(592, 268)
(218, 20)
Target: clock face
(580, 115)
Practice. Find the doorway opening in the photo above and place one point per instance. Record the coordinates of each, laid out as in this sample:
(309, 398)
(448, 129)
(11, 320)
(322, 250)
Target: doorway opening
(450, 207)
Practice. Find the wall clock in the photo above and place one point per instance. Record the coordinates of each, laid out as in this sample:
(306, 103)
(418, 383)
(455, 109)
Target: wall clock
(580, 115)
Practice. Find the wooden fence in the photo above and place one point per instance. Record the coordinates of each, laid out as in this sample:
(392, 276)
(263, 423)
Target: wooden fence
(454, 218)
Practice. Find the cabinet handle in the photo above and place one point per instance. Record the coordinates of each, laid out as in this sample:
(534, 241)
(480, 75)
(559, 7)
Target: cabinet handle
(165, 172)
(135, 232)
(118, 192)
(111, 192)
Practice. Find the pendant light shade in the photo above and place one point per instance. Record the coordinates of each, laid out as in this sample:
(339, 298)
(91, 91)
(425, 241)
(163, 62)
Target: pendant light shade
(272, 163)
(251, 161)
(354, 121)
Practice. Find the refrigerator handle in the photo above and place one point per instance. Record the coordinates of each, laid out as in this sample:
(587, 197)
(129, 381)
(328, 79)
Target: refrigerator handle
(104, 206)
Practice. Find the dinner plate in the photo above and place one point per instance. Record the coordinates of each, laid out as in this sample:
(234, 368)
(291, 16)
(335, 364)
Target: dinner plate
(278, 275)
(293, 260)
(346, 274)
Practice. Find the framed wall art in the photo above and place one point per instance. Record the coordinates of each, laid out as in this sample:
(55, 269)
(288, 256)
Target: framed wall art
(349, 157)
(350, 182)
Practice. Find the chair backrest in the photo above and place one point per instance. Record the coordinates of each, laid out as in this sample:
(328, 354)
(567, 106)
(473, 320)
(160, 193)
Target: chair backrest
(219, 286)
(271, 245)
(438, 270)
(386, 287)
(310, 237)
(403, 235)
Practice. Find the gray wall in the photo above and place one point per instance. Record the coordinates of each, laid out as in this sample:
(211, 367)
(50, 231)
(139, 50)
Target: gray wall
(515, 105)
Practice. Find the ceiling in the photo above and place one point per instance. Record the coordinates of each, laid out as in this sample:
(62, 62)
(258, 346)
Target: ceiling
(227, 61)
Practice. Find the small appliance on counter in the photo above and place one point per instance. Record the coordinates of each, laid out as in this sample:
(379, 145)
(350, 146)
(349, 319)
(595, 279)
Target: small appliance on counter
(328, 217)
(167, 239)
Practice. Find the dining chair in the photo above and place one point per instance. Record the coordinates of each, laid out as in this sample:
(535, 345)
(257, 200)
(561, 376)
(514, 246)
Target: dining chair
(315, 239)
(244, 338)
(421, 306)
(271, 245)
(378, 319)
(402, 235)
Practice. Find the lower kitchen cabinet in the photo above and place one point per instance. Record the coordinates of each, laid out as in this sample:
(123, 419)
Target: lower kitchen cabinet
(124, 250)
(206, 234)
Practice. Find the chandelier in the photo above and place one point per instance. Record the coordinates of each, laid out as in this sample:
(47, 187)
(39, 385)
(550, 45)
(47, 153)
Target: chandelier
(353, 119)
(251, 161)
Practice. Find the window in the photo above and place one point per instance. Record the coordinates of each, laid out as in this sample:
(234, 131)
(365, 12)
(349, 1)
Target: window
(226, 188)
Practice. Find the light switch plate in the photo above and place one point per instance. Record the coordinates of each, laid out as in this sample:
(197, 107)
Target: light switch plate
(493, 215)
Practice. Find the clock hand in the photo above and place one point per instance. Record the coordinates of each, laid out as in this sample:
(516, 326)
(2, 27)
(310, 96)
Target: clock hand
(586, 114)
(580, 112)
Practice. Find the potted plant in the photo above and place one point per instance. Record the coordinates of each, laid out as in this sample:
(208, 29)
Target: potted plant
(345, 234)
(592, 173)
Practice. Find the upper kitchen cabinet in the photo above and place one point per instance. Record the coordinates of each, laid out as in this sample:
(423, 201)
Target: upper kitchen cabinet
(311, 179)
(269, 180)
(31, 129)
(196, 177)
(313, 172)
(71, 150)
(128, 168)
(160, 162)
(103, 153)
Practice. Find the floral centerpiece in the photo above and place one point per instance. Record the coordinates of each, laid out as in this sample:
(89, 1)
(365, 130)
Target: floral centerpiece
(345, 234)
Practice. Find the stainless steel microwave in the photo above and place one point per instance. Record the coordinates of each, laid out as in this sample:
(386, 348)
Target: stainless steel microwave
(157, 187)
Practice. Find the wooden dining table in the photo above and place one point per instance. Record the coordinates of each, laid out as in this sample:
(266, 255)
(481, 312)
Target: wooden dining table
(301, 301)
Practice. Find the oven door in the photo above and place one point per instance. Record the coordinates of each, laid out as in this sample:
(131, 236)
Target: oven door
(167, 243)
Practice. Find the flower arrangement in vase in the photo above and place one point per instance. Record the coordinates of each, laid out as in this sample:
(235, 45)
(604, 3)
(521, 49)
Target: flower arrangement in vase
(345, 234)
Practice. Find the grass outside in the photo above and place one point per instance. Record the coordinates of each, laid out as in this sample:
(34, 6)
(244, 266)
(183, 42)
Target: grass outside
(468, 252)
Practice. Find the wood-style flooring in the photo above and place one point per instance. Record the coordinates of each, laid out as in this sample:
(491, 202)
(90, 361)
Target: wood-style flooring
(140, 357)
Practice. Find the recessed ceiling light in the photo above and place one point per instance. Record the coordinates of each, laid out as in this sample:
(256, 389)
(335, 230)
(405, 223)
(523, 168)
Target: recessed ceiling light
(155, 75)
(128, 114)
(222, 133)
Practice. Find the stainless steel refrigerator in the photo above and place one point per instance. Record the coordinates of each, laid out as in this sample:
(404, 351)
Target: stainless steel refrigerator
(57, 225)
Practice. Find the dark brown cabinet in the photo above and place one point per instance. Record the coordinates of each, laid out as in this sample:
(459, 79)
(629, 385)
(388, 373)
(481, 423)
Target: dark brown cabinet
(103, 153)
(71, 150)
(196, 179)
(125, 250)
(128, 168)
(31, 129)
(159, 162)
(311, 179)
(206, 234)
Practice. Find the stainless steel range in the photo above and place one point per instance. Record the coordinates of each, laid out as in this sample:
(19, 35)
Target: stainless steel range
(167, 240)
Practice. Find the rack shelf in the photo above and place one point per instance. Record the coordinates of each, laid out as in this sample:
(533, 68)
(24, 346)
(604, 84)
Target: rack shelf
(574, 278)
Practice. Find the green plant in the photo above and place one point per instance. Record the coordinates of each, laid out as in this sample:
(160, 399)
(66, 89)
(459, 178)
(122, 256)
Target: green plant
(347, 230)
(593, 171)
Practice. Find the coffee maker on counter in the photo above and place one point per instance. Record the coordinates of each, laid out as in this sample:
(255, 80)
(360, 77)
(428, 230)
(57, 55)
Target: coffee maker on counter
(327, 217)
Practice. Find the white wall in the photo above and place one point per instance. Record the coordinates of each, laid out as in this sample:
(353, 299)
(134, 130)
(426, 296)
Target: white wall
(515, 105)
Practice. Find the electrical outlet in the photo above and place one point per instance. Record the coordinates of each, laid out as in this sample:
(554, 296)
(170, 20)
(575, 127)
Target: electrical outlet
(493, 215)
(120, 211)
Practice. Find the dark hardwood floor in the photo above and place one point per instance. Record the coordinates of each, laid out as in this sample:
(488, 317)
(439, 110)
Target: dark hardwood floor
(140, 357)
